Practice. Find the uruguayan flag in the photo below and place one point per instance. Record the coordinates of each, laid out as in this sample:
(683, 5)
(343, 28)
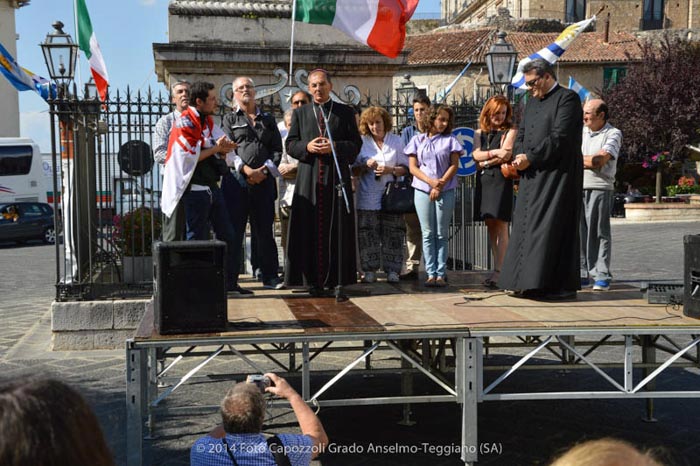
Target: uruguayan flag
(23, 79)
(582, 92)
(552, 52)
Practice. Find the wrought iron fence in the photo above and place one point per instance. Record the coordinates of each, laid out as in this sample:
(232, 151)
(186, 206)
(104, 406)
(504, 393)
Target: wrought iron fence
(107, 192)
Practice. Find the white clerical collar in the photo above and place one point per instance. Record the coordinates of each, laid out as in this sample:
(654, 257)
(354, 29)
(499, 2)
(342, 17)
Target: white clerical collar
(556, 83)
(323, 103)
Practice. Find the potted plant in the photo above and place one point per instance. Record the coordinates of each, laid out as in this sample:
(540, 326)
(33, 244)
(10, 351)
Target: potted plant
(133, 234)
(685, 187)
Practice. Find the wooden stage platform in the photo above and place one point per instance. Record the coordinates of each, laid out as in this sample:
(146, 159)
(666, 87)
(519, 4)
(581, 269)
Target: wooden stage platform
(421, 326)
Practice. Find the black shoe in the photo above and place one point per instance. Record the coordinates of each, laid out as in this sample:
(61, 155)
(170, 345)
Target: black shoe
(410, 275)
(559, 295)
(273, 284)
(236, 289)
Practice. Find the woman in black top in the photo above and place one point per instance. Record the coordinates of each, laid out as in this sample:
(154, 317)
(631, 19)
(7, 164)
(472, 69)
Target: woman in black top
(493, 145)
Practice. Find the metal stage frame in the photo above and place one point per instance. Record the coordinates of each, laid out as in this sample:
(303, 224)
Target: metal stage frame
(567, 348)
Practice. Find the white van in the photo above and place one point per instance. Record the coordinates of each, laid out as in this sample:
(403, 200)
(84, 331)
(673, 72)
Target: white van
(21, 171)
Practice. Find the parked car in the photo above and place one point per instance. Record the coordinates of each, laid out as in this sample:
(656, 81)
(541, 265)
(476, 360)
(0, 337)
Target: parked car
(22, 221)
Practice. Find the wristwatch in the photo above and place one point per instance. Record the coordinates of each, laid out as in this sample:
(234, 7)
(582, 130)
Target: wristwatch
(265, 170)
(486, 164)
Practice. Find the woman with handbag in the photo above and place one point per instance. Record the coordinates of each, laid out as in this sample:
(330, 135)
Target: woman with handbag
(381, 160)
(433, 162)
(493, 199)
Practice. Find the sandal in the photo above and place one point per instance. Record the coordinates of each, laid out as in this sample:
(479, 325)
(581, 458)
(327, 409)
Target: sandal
(441, 282)
(430, 282)
(490, 282)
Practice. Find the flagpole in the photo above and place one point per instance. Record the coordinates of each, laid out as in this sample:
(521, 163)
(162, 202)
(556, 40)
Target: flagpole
(77, 35)
(291, 45)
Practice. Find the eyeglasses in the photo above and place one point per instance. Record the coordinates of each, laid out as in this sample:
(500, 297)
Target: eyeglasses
(244, 87)
(532, 82)
(300, 102)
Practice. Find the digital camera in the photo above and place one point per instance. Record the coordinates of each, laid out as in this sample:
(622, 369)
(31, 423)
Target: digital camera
(260, 380)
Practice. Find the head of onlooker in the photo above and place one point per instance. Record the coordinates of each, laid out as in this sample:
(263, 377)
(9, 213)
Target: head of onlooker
(595, 114)
(244, 92)
(320, 85)
(440, 120)
(203, 97)
(421, 107)
(539, 77)
(180, 95)
(605, 452)
(288, 118)
(496, 115)
(45, 422)
(243, 409)
(300, 98)
(375, 121)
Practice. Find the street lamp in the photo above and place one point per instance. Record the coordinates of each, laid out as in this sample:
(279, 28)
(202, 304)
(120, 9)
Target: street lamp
(500, 61)
(60, 50)
(405, 92)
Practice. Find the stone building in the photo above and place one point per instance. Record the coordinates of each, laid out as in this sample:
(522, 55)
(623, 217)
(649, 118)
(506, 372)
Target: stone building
(626, 15)
(436, 58)
(218, 40)
(9, 123)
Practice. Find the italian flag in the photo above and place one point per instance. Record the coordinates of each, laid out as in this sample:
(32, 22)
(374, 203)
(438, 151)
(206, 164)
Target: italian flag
(380, 24)
(88, 44)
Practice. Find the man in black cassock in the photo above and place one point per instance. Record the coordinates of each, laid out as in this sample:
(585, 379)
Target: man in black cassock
(313, 251)
(542, 261)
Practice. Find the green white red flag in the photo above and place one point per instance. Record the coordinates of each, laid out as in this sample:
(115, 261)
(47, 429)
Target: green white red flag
(380, 24)
(88, 44)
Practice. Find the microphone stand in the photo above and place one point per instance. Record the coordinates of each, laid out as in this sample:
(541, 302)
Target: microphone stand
(341, 195)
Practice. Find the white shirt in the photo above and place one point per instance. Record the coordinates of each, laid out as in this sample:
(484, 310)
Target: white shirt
(369, 192)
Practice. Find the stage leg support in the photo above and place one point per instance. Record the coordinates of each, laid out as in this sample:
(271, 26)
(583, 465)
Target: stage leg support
(649, 357)
(468, 378)
(136, 402)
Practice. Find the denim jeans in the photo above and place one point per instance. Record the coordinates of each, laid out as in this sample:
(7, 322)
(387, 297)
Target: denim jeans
(434, 219)
(204, 211)
(254, 204)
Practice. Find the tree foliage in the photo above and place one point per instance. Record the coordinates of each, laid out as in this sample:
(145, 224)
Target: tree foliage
(657, 105)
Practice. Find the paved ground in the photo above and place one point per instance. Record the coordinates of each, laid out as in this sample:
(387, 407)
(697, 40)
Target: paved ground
(524, 433)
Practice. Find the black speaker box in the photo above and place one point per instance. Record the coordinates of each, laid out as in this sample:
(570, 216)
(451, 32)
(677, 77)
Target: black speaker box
(189, 287)
(691, 274)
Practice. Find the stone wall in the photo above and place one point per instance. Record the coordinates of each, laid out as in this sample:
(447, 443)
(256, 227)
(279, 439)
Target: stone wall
(88, 325)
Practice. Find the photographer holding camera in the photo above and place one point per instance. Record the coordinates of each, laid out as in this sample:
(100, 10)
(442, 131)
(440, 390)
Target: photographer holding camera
(239, 440)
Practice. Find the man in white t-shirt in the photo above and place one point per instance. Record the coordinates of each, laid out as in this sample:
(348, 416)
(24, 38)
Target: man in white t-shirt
(600, 147)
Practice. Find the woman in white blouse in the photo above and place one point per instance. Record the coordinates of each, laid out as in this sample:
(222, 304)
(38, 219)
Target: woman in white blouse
(381, 159)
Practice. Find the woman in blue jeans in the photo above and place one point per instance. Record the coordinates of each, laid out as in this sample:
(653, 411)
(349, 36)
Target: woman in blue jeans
(433, 162)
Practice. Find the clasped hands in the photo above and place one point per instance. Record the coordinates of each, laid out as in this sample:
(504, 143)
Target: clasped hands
(224, 145)
(521, 162)
(319, 146)
(436, 186)
(379, 170)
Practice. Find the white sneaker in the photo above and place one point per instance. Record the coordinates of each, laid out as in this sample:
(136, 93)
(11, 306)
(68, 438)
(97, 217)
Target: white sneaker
(369, 277)
(392, 277)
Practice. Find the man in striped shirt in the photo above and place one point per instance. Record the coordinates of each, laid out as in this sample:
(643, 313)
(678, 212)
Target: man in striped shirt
(600, 146)
(173, 226)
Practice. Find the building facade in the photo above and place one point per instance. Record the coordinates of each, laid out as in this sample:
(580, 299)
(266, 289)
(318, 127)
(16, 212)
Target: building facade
(626, 15)
(217, 41)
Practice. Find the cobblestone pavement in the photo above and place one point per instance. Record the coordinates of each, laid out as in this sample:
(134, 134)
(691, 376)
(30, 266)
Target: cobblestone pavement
(511, 433)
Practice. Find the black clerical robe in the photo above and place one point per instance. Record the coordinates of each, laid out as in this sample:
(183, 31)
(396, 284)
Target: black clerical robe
(543, 252)
(313, 251)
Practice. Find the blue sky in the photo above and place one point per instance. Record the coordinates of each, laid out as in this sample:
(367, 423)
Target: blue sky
(125, 31)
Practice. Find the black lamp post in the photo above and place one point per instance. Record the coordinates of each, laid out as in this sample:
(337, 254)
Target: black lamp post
(405, 92)
(76, 156)
(500, 61)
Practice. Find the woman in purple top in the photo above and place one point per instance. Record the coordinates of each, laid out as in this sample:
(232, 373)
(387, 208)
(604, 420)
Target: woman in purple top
(433, 162)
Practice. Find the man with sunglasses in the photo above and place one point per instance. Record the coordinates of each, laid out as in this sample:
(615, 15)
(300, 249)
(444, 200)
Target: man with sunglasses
(542, 261)
(250, 190)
